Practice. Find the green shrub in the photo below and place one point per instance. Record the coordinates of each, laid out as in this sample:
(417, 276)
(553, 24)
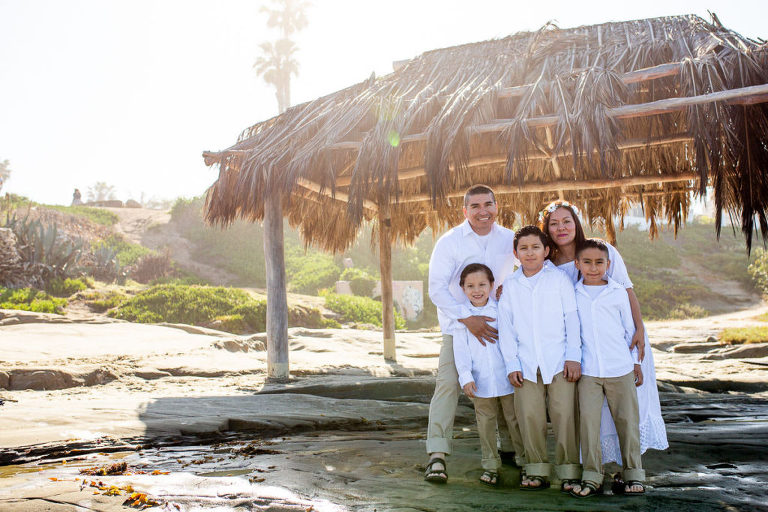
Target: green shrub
(686, 310)
(100, 302)
(661, 292)
(360, 281)
(96, 215)
(311, 271)
(738, 335)
(759, 270)
(59, 287)
(125, 252)
(204, 305)
(352, 309)
(29, 299)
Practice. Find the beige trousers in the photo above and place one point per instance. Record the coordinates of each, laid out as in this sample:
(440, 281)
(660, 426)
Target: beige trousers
(442, 408)
(487, 415)
(622, 401)
(532, 401)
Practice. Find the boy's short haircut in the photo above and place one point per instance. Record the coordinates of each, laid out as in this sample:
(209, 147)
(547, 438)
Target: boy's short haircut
(476, 190)
(475, 267)
(531, 230)
(593, 243)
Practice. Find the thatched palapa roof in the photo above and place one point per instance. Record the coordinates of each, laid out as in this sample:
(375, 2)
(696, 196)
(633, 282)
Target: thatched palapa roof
(605, 116)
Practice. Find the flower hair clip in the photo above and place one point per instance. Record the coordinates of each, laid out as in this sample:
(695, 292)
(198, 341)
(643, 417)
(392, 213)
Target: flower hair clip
(551, 207)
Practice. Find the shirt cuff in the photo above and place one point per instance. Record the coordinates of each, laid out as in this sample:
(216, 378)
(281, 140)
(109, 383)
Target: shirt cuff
(465, 378)
(573, 354)
(514, 366)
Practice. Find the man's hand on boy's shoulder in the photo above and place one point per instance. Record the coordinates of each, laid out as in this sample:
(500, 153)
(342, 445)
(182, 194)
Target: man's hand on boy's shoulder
(516, 379)
(478, 326)
(572, 371)
(638, 375)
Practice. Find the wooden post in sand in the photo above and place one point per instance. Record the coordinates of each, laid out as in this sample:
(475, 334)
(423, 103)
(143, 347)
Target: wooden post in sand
(385, 264)
(277, 300)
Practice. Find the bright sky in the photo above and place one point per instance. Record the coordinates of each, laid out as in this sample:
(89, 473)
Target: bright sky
(131, 92)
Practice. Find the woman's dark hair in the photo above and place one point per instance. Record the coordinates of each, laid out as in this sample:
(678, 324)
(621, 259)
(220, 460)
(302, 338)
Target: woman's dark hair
(544, 225)
(531, 230)
(472, 268)
(593, 243)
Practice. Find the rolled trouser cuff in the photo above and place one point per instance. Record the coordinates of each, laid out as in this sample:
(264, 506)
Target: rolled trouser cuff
(439, 445)
(543, 469)
(492, 464)
(633, 474)
(568, 471)
(592, 476)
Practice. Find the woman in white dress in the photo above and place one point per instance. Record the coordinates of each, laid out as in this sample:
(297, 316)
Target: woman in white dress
(560, 220)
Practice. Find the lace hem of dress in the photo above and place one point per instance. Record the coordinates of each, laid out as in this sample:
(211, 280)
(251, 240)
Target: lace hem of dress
(653, 435)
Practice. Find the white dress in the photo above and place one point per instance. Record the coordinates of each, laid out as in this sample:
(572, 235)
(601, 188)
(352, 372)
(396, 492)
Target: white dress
(653, 433)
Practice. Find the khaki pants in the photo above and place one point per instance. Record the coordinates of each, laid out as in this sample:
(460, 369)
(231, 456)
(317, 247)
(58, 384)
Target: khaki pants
(442, 408)
(532, 401)
(487, 415)
(622, 401)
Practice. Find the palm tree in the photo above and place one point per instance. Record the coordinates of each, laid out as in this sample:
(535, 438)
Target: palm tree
(288, 15)
(277, 62)
(275, 66)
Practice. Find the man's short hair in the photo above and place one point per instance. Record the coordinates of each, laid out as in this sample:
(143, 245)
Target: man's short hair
(477, 190)
(531, 230)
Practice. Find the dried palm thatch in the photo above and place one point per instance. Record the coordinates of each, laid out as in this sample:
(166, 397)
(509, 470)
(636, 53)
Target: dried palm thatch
(648, 112)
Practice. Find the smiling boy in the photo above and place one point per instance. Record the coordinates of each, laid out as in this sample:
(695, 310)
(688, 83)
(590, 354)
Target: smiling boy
(539, 339)
(609, 369)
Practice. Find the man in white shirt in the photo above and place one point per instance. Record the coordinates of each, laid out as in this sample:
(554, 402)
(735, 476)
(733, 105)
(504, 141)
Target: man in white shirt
(477, 240)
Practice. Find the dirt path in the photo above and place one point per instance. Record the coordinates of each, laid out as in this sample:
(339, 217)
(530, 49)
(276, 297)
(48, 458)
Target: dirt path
(152, 229)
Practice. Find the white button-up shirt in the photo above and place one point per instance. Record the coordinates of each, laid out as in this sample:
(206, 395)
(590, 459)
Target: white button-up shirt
(453, 251)
(538, 323)
(606, 331)
(483, 365)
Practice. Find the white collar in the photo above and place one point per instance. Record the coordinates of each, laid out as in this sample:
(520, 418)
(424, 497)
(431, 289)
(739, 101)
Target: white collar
(466, 228)
(580, 286)
(548, 266)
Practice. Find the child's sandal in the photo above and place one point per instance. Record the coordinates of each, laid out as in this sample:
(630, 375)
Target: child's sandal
(490, 478)
(571, 482)
(633, 483)
(593, 490)
(436, 476)
(543, 483)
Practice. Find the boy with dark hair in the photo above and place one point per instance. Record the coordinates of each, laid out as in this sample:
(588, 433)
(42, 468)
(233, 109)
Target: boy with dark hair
(539, 339)
(610, 369)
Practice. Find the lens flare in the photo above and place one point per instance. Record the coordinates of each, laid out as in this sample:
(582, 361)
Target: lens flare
(394, 138)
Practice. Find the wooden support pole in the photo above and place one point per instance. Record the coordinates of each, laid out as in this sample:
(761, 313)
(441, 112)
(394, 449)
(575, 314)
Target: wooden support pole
(277, 297)
(387, 298)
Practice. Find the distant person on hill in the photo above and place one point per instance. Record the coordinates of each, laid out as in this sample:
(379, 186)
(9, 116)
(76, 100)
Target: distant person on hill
(76, 197)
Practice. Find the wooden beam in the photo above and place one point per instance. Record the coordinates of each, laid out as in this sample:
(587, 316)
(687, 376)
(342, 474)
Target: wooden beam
(277, 297)
(500, 158)
(742, 96)
(387, 297)
(554, 186)
(339, 196)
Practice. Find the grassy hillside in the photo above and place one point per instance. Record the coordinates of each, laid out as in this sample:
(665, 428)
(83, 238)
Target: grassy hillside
(674, 278)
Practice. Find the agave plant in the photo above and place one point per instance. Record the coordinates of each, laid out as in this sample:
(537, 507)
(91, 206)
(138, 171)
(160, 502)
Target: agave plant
(105, 266)
(45, 250)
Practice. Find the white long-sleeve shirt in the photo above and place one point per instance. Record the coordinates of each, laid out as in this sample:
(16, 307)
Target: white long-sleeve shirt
(538, 323)
(483, 365)
(456, 249)
(607, 328)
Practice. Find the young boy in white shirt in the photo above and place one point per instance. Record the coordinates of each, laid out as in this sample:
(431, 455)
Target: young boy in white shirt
(482, 373)
(609, 369)
(539, 338)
